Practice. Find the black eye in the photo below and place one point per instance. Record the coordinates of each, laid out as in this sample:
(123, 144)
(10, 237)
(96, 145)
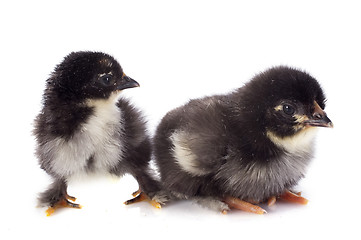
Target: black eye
(288, 109)
(106, 80)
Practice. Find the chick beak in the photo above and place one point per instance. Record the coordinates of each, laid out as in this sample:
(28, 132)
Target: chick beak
(319, 118)
(127, 82)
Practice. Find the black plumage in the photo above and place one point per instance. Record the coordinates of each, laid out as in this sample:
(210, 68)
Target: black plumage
(251, 145)
(85, 127)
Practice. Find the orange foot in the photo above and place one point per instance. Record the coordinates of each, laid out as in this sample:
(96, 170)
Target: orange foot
(243, 205)
(293, 197)
(62, 203)
(289, 197)
(141, 196)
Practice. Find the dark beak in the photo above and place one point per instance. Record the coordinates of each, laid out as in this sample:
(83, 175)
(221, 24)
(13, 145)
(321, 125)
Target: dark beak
(319, 118)
(127, 82)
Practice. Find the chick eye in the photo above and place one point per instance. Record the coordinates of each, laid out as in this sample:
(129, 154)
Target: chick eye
(288, 109)
(106, 80)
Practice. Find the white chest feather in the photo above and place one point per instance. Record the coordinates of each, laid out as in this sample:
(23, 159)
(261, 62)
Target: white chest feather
(95, 147)
(300, 142)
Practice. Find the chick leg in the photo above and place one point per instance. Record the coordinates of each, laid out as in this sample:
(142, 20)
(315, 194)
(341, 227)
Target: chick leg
(289, 197)
(149, 189)
(271, 201)
(293, 197)
(57, 197)
(243, 205)
(140, 196)
(62, 203)
(136, 193)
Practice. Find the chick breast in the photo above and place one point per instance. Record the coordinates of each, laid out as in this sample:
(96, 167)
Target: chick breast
(96, 146)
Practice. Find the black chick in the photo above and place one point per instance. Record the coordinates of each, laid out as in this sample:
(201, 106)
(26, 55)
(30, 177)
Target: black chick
(249, 146)
(84, 127)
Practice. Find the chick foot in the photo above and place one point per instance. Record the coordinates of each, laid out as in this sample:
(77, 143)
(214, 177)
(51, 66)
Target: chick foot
(271, 201)
(140, 196)
(62, 203)
(243, 205)
(289, 197)
(293, 197)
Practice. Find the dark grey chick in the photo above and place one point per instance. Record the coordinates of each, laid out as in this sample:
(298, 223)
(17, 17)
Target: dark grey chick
(250, 146)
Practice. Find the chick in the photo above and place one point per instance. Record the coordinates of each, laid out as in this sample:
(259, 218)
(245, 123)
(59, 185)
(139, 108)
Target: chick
(84, 127)
(247, 147)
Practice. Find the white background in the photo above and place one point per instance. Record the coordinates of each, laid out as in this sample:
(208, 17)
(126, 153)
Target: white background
(178, 50)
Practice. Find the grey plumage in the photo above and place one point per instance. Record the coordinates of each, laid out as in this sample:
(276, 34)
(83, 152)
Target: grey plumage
(86, 127)
(251, 144)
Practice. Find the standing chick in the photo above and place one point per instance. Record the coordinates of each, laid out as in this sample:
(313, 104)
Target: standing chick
(85, 128)
(249, 146)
